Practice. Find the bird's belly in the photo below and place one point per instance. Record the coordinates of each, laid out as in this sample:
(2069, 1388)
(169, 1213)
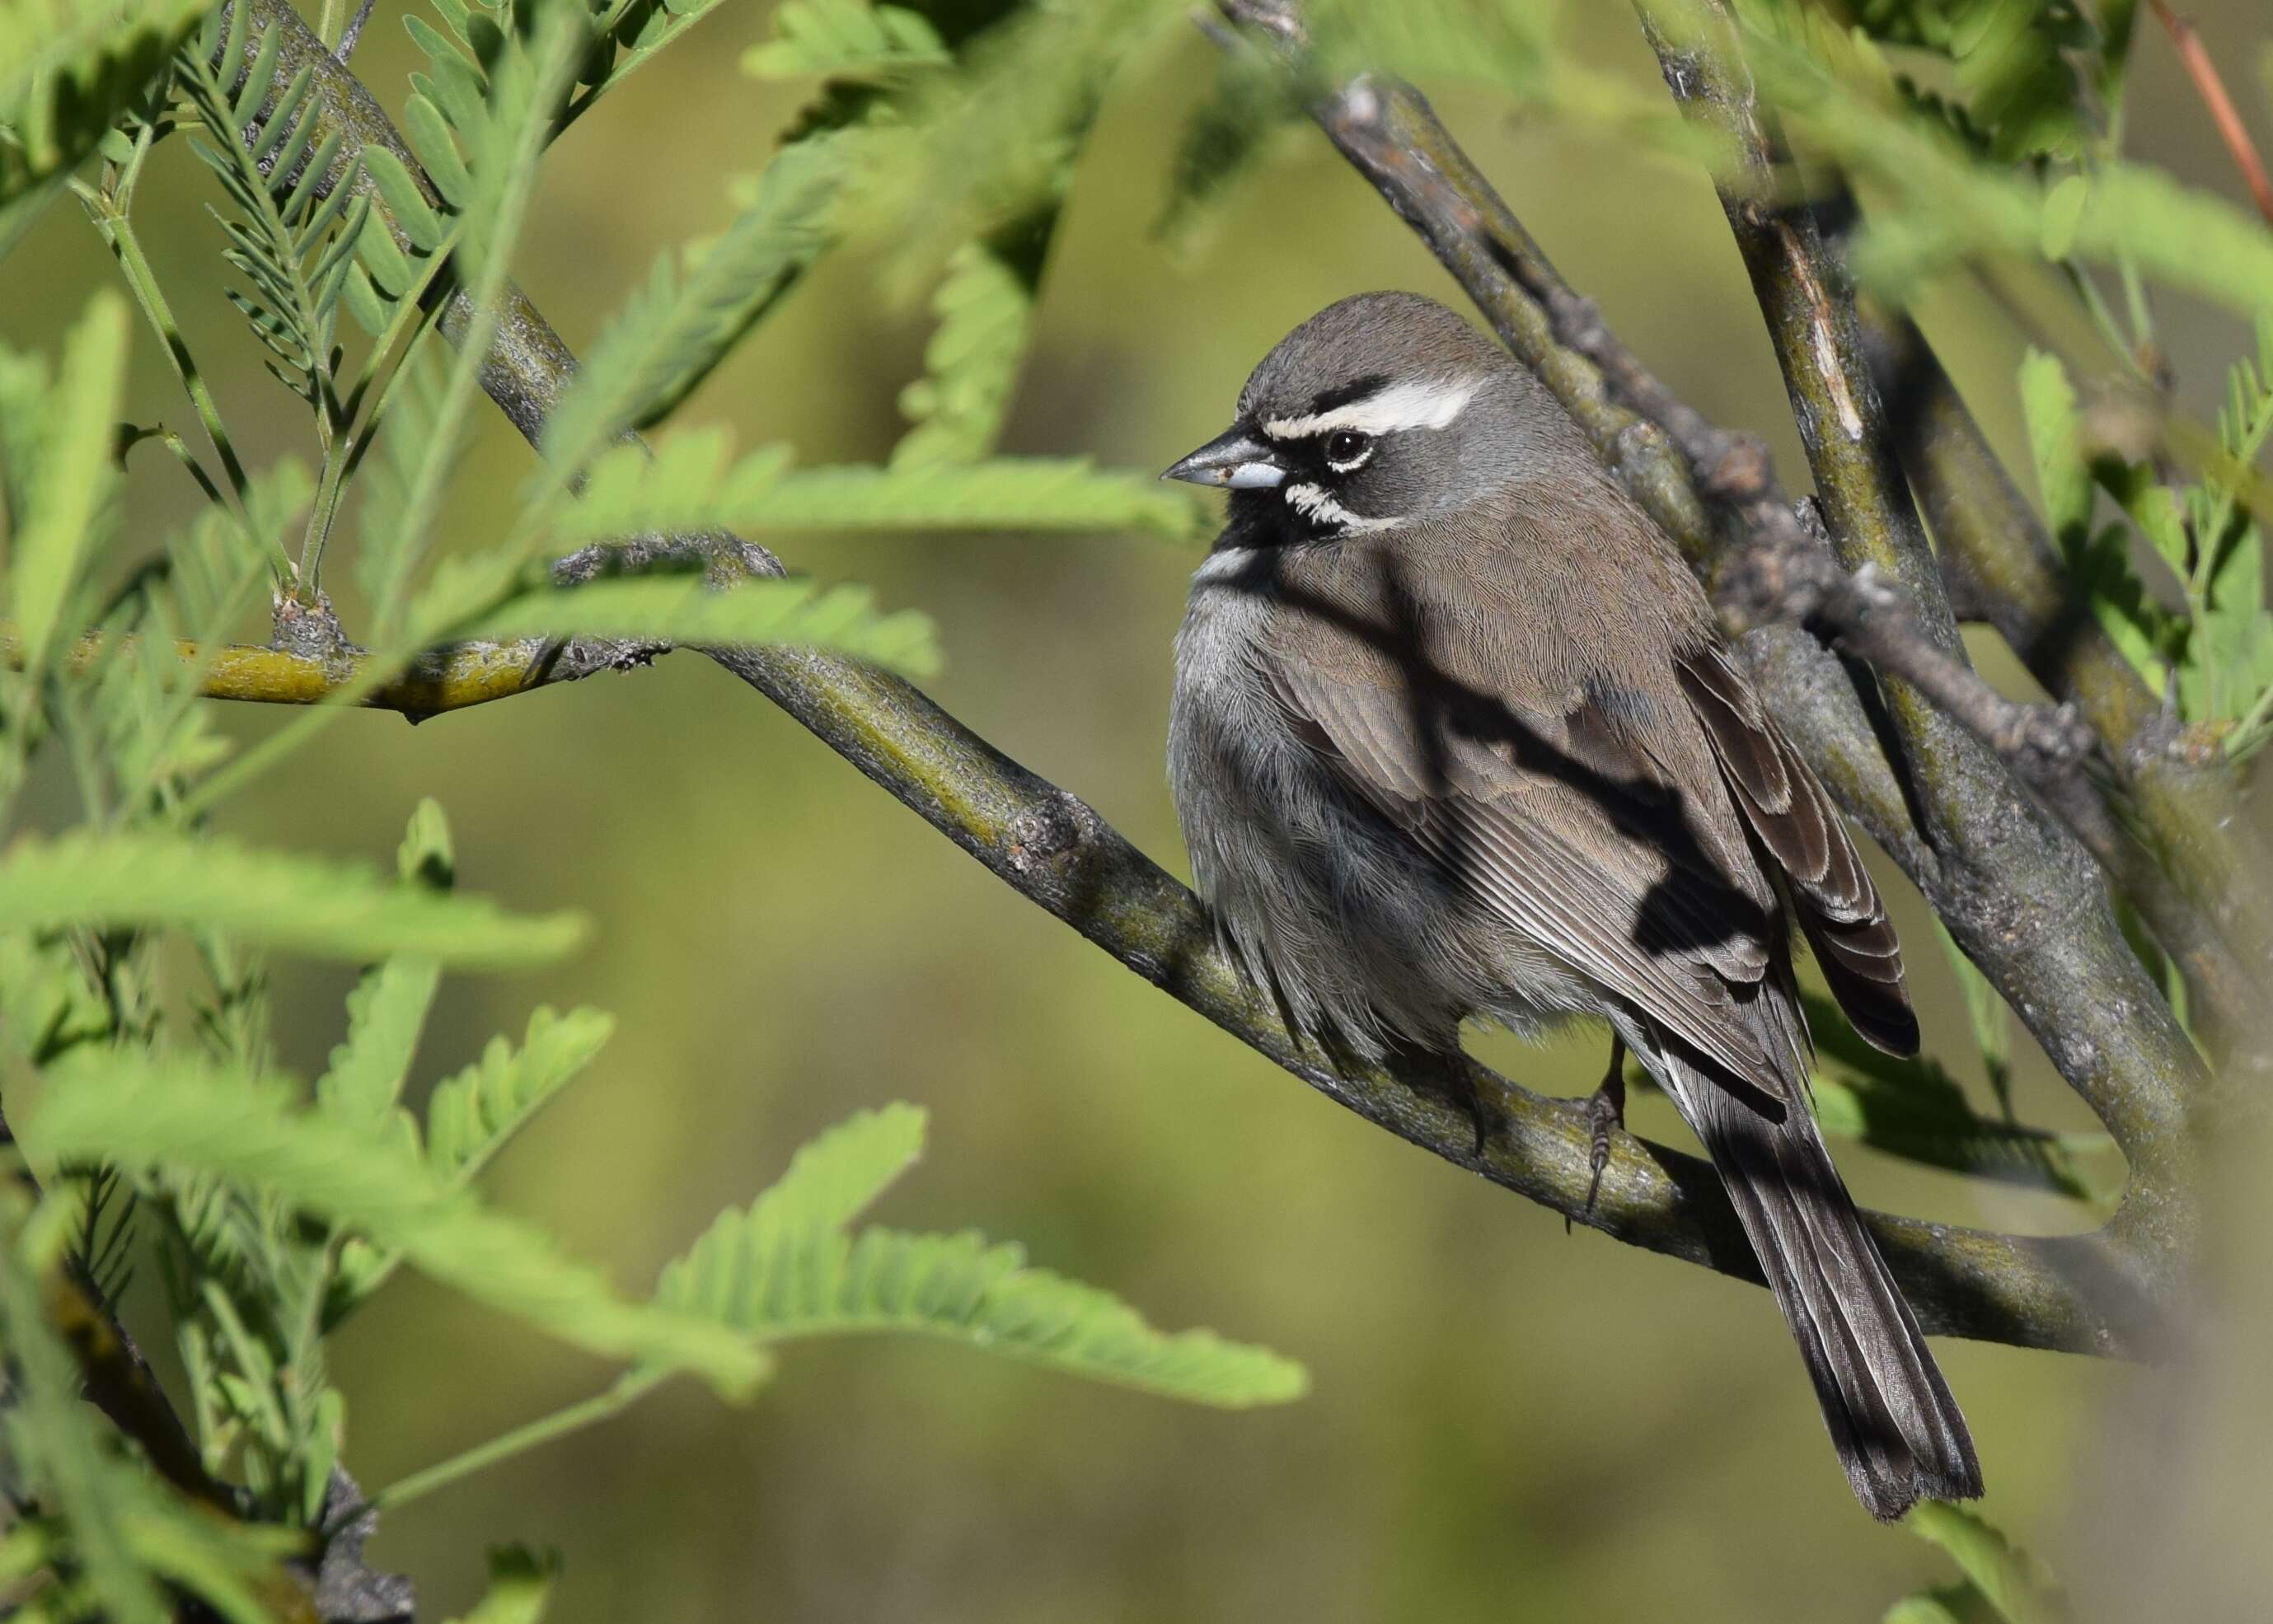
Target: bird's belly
(1323, 901)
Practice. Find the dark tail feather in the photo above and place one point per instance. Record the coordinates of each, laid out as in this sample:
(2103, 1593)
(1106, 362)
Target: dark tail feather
(1898, 1432)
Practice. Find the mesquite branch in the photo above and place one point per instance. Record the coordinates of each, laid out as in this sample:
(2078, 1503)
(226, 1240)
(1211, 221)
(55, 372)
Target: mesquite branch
(2084, 1292)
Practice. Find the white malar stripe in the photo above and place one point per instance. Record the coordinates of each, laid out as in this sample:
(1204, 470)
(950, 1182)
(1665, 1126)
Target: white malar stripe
(1418, 403)
(1314, 503)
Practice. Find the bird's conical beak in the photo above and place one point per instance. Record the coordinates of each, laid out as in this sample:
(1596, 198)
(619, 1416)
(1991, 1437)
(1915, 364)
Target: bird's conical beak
(1235, 459)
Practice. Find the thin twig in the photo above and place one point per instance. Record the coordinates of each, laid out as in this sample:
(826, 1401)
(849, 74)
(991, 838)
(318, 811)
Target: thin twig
(2211, 88)
(1796, 580)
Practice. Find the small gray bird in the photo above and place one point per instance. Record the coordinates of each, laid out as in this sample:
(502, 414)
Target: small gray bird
(1455, 736)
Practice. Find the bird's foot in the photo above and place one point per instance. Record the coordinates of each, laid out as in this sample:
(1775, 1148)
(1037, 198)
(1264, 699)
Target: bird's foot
(1606, 1109)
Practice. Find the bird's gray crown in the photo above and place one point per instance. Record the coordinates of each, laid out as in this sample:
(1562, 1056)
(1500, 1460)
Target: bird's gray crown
(1378, 411)
(1379, 362)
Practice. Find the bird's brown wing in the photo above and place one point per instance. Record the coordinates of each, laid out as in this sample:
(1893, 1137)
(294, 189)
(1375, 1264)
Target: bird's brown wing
(1838, 907)
(1565, 828)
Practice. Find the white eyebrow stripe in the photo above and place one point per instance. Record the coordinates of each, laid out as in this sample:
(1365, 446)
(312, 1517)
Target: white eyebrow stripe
(1420, 403)
(1314, 503)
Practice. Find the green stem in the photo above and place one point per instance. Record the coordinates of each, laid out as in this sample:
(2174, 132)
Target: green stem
(338, 455)
(628, 1389)
(118, 232)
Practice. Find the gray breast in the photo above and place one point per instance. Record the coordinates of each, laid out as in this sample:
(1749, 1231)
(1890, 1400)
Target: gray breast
(1344, 919)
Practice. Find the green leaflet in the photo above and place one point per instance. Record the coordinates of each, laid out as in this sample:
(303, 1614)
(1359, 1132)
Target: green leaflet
(784, 1266)
(152, 1112)
(1031, 493)
(520, 1584)
(60, 495)
(338, 909)
(385, 1014)
(684, 609)
(959, 1287)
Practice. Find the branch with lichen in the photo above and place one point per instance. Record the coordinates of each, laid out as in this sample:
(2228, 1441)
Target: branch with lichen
(2081, 1292)
(454, 676)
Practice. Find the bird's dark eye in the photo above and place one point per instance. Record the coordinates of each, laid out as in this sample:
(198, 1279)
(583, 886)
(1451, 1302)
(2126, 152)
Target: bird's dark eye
(1346, 448)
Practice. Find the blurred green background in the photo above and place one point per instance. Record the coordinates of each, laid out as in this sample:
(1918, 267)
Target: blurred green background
(1505, 1423)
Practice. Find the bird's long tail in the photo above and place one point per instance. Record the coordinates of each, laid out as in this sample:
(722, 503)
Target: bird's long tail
(1898, 1432)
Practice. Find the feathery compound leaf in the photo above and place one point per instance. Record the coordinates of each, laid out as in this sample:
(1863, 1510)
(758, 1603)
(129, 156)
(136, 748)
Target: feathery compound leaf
(688, 485)
(473, 1115)
(70, 473)
(958, 1287)
(2019, 66)
(991, 148)
(1015, 493)
(985, 306)
(68, 69)
(844, 39)
(147, 1112)
(339, 910)
(294, 242)
(783, 1267)
(2008, 1578)
(697, 305)
(683, 609)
